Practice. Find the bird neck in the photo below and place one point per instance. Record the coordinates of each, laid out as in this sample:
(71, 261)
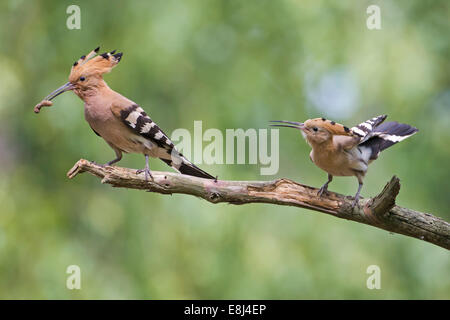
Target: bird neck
(324, 147)
(93, 92)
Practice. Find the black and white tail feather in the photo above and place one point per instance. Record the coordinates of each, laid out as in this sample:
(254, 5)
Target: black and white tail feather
(377, 135)
(142, 125)
(181, 164)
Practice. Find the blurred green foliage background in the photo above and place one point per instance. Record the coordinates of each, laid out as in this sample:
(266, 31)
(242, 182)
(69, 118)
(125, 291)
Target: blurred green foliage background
(232, 64)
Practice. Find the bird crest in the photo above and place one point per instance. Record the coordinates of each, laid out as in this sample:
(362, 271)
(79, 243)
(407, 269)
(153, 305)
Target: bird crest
(93, 64)
(331, 126)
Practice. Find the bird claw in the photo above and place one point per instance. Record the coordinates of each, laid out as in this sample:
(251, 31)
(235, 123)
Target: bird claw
(99, 164)
(355, 203)
(147, 172)
(322, 190)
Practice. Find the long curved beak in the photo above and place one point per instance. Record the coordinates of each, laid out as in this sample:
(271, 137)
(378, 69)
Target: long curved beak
(67, 87)
(289, 124)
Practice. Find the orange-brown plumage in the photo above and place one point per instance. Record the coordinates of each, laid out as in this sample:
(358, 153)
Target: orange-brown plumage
(341, 151)
(333, 127)
(118, 120)
(94, 66)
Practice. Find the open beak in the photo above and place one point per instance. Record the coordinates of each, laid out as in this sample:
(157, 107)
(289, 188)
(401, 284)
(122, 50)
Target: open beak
(289, 124)
(67, 87)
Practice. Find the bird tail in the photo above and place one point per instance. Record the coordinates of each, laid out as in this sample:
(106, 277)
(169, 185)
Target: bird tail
(184, 166)
(385, 135)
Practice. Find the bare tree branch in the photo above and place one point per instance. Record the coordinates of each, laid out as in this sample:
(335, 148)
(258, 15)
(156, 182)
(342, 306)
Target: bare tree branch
(380, 212)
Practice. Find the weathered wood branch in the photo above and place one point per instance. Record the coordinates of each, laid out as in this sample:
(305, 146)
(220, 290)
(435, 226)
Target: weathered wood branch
(380, 212)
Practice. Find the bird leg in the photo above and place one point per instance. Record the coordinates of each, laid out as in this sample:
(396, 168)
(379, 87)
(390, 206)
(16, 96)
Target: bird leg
(324, 188)
(117, 159)
(356, 201)
(146, 170)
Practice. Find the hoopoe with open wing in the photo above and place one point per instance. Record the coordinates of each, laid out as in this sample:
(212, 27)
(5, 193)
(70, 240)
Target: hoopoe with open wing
(119, 121)
(341, 151)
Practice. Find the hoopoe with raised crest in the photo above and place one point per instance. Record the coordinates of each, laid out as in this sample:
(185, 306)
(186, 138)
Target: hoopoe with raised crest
(119, 121)
(343, 151)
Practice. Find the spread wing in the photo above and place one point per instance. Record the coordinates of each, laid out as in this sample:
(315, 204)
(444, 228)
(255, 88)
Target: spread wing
(365, 130)
(360, 133)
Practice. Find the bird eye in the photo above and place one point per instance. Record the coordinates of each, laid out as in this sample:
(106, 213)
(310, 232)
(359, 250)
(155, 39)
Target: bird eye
(82, 78)
(315, 129)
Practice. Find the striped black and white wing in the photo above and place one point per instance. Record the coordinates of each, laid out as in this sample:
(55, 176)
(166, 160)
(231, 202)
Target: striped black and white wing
(365, 130)
(141, 124)
(135, 118)
(377, 135)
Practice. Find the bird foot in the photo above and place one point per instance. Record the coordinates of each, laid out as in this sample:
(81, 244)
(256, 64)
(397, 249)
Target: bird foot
(147, 172)
(99, 164)
(322, 190)
(355, 202)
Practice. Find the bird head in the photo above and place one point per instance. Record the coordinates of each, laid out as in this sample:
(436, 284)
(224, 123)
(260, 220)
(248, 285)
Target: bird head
(87, 72)
(318, 130)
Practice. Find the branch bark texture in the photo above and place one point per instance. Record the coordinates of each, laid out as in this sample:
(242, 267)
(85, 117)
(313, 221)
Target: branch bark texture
(380, 211)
